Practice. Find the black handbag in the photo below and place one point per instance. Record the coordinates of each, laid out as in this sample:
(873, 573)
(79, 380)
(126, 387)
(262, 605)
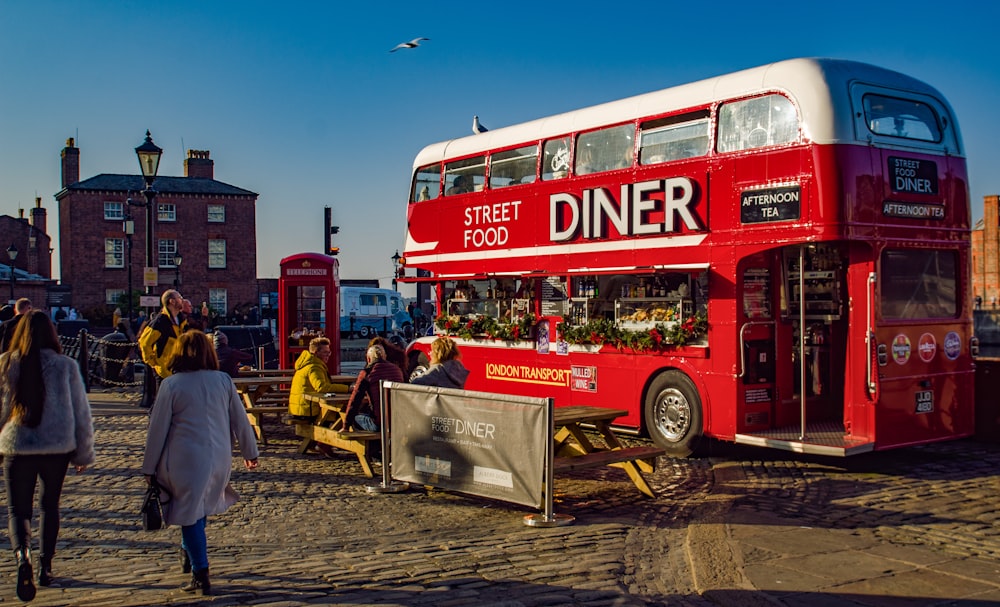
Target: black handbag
(152, 507)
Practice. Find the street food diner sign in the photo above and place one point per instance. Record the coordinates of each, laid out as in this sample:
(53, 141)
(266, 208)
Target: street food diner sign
(480, 443)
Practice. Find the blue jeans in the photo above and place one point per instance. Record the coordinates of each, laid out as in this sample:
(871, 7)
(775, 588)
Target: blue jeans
(20, 473)
(193, 540)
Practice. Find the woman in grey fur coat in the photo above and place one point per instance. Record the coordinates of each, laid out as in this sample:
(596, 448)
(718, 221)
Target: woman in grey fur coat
(47, 426)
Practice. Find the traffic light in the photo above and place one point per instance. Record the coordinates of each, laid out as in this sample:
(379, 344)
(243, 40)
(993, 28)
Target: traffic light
(334, 251)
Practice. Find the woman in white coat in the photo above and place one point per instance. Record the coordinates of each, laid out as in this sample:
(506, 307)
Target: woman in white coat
(189, 447)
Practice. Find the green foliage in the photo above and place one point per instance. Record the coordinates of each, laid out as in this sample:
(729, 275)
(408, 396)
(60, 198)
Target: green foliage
(478, 327)
(661, 335)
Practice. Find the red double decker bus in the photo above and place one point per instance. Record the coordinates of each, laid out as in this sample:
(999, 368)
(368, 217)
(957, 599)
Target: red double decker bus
(778, 257)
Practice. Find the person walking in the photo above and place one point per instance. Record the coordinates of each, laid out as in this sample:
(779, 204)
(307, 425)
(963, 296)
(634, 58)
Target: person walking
(21, 307)
(189, 448)
(46, 427)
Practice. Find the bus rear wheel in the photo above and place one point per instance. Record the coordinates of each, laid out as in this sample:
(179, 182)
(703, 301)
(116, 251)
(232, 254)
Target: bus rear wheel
(673, 413)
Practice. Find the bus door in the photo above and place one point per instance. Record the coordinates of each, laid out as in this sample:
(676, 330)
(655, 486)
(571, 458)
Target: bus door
(756, 357)
(814, 317)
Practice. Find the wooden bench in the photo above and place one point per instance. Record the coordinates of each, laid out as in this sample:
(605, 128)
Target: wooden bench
(256, 413)
(362, 444)
(634, 460)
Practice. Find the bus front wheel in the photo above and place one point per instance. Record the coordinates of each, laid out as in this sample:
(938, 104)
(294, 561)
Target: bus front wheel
(673, 413)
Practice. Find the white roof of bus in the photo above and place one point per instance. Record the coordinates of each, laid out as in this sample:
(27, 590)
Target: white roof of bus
(819, 87)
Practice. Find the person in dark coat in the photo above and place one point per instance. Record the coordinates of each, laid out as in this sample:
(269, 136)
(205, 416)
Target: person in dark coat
(367, 387)
(447, 370)
(230, 358)
(21, 307)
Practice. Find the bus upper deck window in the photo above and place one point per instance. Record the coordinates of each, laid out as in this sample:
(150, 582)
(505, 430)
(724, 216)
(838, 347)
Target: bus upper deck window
(426, 183)
(513, 167)
(604, 150)
(464, 176)
(903, 118)
(673, 141)
(555, 159)
(757, 122)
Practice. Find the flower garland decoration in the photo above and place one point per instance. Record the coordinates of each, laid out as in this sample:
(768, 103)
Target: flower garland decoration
(479, 327)
(659, 336)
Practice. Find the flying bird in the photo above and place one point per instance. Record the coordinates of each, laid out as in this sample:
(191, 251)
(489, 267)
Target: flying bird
(476, 127)
(411, 44)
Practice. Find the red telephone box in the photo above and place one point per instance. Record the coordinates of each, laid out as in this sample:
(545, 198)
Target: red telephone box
(308, 306)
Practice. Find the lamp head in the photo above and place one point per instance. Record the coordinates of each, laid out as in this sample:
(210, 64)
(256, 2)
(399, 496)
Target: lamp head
(149, 158)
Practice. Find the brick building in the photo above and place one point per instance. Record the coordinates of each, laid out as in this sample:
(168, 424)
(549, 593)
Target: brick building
(32, 265)
(986, 255)
(211, 224)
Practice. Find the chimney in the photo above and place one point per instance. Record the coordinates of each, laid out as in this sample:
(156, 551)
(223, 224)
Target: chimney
(39, 216)
(198, 165)
(70, 163)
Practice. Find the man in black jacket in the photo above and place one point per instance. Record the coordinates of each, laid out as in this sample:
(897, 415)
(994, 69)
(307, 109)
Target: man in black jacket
(21, 307)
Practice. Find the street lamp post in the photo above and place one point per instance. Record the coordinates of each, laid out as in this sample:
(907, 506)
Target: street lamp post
(149, 163)
(128, 226)
(395, 268)
(177, 270)
(12, 253)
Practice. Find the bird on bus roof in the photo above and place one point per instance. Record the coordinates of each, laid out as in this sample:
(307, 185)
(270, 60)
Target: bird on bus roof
(476, 127)
(411, 44)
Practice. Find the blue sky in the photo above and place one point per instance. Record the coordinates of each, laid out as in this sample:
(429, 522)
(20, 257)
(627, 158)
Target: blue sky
(302, 103)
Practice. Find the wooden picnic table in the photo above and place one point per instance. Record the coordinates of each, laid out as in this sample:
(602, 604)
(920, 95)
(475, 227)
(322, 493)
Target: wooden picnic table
(329, 429)
(573, 449)
(268, 394)
(263, 395)
(265, 373)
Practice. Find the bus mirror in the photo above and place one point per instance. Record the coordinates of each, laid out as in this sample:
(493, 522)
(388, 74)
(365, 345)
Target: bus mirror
(883, 355)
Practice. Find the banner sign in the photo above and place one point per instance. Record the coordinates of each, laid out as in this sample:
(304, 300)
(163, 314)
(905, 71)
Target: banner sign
(490, 445)
(770, 204)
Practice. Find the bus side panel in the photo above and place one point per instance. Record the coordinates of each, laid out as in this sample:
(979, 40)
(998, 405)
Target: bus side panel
(925, 394)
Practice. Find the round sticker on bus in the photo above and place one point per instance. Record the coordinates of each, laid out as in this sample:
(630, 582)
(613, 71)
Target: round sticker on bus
(901, 349)
(952, 345)
(927, 347)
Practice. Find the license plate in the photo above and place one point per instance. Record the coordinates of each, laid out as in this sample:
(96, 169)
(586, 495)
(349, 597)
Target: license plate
(925, 401)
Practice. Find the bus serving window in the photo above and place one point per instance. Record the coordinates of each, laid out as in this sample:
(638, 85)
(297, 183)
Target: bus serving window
(673, 142)
(604, 150)
(755, 123)
(919, 284)
(555, 159)
(513, 167)
(464, 176)
(901, 118)
(426, 183)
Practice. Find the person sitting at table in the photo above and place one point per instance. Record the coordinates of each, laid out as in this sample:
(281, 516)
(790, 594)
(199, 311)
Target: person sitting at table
(393, 353)
(367, 416)
(311, 377)
(447, 370)
(229, 357)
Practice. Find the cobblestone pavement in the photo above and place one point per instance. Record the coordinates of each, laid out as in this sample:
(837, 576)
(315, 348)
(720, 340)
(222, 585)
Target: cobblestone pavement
(306, 532)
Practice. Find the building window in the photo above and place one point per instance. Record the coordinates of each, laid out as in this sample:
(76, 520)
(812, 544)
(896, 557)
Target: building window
(217, 253)
(166, 212)
(114, 211)
(114, 297)
(167, 250)
(114, 252)
(218, 301)
(216, 213)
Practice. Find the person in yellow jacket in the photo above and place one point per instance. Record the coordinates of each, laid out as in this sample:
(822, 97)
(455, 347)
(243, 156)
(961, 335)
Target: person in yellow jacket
(311, 377)
(159, 338)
